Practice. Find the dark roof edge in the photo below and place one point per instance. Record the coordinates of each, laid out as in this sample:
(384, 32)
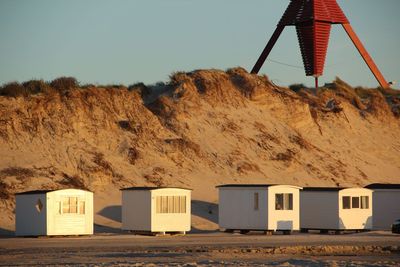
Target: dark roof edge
(323, 188)
(382, 186)
(254, 185)
(33, 192)
(333, 189)
(151, 188)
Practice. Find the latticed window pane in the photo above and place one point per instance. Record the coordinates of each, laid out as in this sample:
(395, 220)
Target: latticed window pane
(279, 201)
(355, 202)
(73, 205)
(288, 201)
(346, 202)
(183, 204)
(176, 205)
(81, 207)
(70, 205)
(365, 202)
(158, 204)
(65, 205)
(284, 201)
(171, 204)
(164, 204)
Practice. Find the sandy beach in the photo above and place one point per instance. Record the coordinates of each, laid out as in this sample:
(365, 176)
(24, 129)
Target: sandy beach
(207, 249)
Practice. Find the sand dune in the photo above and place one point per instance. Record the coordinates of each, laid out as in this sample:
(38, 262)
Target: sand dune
(202, 129)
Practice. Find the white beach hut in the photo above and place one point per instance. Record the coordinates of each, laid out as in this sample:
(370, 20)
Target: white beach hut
(259, 207)
(156, 209)
(54, 212)
(386, 205)
(334, 208)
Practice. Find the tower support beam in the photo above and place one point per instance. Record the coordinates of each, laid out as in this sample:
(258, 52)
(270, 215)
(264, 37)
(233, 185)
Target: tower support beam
(267, 49)
(364, 54)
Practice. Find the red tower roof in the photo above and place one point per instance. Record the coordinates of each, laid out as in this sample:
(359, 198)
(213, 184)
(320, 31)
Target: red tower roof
(300, 11)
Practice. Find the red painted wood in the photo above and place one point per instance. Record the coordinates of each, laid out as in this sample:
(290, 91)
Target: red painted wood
(313, 41)
(300, 11)
(328, 11)
(364, 54)
(267, 49)
(313, 20)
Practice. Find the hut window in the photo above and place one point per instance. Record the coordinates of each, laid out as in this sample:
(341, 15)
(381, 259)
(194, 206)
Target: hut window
(171, 204)
(355, 202)
(346, 202)
(182, 203)
(70, 205)
(365, 202)
(39, 205)
(255, 201)
(81, 207)
(73, 205)
(65, 204)
(284, 201)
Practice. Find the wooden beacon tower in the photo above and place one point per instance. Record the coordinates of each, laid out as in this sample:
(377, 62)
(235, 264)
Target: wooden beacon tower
(313, 20)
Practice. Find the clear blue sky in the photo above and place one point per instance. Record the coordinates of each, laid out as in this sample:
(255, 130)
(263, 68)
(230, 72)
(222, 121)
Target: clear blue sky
(123, 41)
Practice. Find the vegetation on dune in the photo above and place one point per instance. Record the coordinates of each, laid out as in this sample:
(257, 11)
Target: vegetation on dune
(375, 100)
(4, 193)
(63, 84)
(13, 89)
(247, 84)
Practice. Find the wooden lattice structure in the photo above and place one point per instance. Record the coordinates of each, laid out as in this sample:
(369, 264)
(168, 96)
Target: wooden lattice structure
(313, 20)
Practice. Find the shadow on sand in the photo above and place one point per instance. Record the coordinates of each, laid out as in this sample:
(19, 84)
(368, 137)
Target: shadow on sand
(6, 233)
(103, 229)
(112, 213)
(205, 210)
